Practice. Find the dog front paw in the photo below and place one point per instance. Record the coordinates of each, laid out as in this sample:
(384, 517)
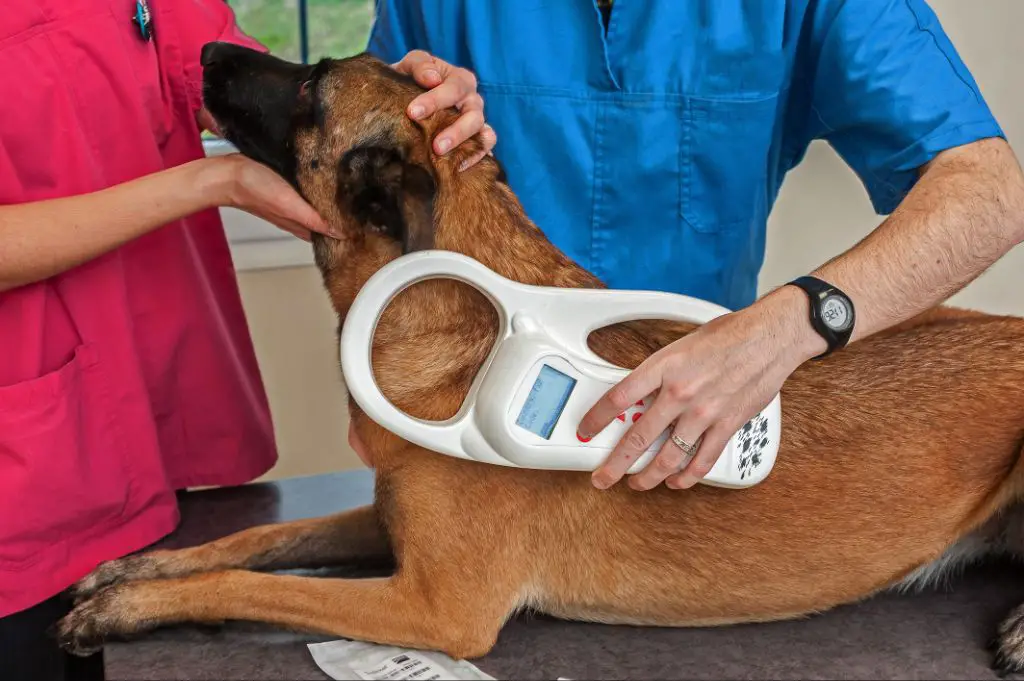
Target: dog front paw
(105, 616)
(1008, 645)
(112, 572)
(106, 574)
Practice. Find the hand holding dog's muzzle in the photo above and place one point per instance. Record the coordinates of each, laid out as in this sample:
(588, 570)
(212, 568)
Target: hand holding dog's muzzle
(253, 187)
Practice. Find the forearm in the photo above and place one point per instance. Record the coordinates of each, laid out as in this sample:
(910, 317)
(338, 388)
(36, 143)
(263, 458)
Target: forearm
(964, 214)
(41, 239)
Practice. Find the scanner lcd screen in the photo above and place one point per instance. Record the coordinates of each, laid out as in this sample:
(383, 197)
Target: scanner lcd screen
(544, 404)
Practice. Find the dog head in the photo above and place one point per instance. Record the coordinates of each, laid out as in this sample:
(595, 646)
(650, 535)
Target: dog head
(338, 132)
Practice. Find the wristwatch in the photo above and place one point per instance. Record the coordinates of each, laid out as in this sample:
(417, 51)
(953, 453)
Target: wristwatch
(832, 314)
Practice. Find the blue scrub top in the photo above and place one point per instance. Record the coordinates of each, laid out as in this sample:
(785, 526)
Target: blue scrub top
(652, 153)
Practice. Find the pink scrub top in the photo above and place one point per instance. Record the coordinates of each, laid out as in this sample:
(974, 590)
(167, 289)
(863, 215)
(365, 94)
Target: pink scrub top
(132, 375)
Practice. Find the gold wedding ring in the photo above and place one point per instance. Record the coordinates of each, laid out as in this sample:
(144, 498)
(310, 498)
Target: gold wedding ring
(684, 445)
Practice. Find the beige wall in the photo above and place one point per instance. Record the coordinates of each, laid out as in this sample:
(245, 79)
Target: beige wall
(293, 328)
(822, 210)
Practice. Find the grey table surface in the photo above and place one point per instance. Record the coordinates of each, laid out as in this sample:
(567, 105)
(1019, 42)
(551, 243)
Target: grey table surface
(940, 634)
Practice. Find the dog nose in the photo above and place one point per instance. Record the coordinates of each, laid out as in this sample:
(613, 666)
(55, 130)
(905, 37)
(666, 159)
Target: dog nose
(208, 55)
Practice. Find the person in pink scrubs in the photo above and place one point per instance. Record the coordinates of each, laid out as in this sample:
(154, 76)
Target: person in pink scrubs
(126, 367)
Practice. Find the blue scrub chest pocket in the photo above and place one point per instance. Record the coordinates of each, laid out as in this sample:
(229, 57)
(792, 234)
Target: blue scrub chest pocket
(724, 159)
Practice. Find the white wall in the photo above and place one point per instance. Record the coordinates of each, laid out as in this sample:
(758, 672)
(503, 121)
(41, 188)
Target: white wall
(822, 210)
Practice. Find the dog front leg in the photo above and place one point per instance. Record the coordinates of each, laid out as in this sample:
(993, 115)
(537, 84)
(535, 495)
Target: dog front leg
(346, 537)
(463, 621)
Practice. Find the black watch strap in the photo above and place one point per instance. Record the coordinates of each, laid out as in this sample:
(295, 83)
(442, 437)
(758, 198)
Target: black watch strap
(832, 314)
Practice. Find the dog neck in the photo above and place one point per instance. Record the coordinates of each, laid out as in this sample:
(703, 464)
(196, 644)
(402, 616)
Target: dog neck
(480, 216)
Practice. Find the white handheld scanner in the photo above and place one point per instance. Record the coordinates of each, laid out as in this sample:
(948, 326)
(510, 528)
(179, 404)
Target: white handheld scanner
(527, 399)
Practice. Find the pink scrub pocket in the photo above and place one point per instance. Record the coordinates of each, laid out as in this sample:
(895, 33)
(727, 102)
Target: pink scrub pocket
(59, 441)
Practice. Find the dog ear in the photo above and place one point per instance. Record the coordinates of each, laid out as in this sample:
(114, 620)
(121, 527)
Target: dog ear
(388, 195)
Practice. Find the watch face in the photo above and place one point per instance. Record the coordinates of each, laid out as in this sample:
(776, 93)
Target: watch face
(835, 312)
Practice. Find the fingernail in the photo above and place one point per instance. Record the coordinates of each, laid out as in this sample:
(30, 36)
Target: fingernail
(599, 483)
(672, 484)
(463, 166)
(444, 144)
(432, 75)
(417, 111)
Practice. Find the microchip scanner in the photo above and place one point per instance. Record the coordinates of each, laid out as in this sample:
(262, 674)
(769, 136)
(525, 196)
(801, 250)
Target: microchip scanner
(527, 399)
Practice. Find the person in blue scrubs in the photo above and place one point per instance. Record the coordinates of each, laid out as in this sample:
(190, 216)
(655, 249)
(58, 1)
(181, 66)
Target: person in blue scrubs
(648, 139)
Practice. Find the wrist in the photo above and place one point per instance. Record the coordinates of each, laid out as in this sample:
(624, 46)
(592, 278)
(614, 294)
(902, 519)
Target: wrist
(787, 311)
(214, 181)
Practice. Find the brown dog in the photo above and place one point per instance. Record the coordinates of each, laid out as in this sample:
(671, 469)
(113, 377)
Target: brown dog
(918, 463)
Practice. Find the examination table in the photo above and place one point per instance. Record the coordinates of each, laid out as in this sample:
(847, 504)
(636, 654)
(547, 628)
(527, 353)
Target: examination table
(940, 634)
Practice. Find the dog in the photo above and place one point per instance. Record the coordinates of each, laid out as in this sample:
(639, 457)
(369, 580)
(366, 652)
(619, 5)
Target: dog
(900, 455)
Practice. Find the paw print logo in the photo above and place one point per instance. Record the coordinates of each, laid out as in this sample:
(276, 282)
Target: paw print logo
(753, 438)
(631, 415)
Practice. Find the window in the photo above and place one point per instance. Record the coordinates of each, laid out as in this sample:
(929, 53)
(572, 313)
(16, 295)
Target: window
(300, 31)
(307, 30)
